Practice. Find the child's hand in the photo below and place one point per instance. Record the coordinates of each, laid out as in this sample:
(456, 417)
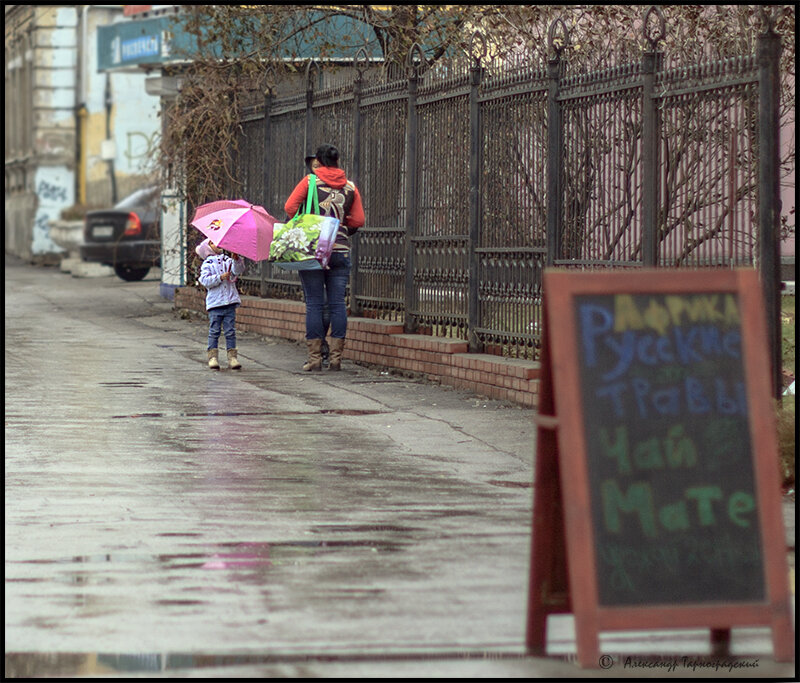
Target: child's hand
(225, 276)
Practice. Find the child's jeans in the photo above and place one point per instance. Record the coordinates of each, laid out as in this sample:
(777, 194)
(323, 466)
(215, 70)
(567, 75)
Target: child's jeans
(222, 318)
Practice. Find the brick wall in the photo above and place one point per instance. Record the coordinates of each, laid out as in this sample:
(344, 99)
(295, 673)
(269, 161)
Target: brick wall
(382, 343)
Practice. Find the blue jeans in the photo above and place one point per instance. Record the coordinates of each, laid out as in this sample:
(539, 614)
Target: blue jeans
(222, 318)
(326, 286)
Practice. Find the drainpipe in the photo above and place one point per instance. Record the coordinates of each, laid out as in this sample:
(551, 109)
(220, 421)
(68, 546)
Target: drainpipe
(81, 112)
(81, 170)
(109, 100)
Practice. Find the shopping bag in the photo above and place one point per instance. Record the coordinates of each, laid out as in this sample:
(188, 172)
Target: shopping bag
(306, 241)
(303, 243)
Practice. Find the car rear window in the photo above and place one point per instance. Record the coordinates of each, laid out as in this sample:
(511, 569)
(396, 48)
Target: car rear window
(138, 199)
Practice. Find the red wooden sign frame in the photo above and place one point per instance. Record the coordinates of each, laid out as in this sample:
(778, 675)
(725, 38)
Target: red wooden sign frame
(563, 563)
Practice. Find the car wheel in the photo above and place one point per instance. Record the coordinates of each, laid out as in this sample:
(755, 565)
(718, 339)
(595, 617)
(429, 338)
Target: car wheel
(131, 273)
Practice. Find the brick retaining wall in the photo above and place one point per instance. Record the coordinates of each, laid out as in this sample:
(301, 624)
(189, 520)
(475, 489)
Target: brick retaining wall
(382, 343)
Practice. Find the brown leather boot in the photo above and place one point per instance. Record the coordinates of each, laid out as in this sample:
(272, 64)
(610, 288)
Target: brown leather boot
(213, 355)
(233, 360)
(314, 361)
(337, 346)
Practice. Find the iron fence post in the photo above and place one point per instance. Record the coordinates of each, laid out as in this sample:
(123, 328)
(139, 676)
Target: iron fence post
(475, 167)
(355, 308)
(649, 156)
(410, 324)
(266, 176)
(769, 205)
(555, 146)
(309, 128)
(651, 131)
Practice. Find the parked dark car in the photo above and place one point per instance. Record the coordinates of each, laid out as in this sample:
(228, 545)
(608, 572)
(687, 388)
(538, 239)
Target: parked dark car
(127, 237)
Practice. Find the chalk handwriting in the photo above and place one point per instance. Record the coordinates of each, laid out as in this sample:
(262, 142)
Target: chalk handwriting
(630, 570)
(699, 505)
(673, 451)
(698, 398)
(666, 411)
(682, 346)
(676, 311)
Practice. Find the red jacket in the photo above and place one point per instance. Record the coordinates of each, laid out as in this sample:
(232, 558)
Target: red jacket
(335, 178)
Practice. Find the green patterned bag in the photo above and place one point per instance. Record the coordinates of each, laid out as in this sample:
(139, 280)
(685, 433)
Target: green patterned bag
(306, 241)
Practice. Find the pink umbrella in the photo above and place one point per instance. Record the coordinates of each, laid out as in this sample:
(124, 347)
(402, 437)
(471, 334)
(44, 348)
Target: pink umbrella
(236, 225)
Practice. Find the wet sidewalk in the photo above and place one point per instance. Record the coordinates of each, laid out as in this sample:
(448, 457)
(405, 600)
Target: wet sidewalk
(163, 519)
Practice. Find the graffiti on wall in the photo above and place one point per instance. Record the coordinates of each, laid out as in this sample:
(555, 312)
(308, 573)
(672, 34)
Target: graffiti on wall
(140, 148)
(48, 192)
(55, 191)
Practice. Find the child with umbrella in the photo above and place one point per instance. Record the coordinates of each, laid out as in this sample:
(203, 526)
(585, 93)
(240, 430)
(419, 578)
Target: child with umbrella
(218, 275)
(244, 230)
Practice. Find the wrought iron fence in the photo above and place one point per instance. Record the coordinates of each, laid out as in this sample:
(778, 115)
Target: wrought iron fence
(476, 177)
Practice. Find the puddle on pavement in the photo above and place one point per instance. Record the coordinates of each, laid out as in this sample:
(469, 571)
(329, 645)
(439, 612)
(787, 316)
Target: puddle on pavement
(179, 603)
(361, 528)
(122, 384)
(511, 484)
(259, 413)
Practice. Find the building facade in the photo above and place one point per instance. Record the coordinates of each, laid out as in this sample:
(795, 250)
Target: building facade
(75, 137)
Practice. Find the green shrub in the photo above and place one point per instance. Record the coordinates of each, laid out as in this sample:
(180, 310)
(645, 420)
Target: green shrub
(786, 441)
(788, 338)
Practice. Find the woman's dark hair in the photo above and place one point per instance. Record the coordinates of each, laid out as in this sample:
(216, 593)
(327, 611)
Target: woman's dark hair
(328, 155)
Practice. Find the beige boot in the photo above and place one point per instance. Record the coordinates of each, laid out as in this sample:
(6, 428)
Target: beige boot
(233, 360)
(213, 355)
(314, 361)
(337, 346)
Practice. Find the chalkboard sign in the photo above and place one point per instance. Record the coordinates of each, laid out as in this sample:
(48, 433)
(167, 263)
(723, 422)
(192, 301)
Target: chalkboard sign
(656, 384)
(668, 446)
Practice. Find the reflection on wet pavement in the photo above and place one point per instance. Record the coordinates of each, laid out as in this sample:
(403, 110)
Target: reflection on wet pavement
(259, 413)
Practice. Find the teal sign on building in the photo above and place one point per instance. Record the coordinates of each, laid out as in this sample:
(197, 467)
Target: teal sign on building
(147, 41)
(159, 40)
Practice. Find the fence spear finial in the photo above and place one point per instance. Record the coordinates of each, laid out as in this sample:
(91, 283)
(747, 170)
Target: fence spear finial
(361, 61)
(557, 37)
(477, 54)
(311, 63)
(767, 18)
(658, 33)
(415, 66)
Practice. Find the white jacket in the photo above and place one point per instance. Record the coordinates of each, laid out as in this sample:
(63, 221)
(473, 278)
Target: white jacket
(221, 292)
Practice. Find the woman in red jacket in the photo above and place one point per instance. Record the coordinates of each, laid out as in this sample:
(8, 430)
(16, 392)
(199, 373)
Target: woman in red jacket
(340, 198)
